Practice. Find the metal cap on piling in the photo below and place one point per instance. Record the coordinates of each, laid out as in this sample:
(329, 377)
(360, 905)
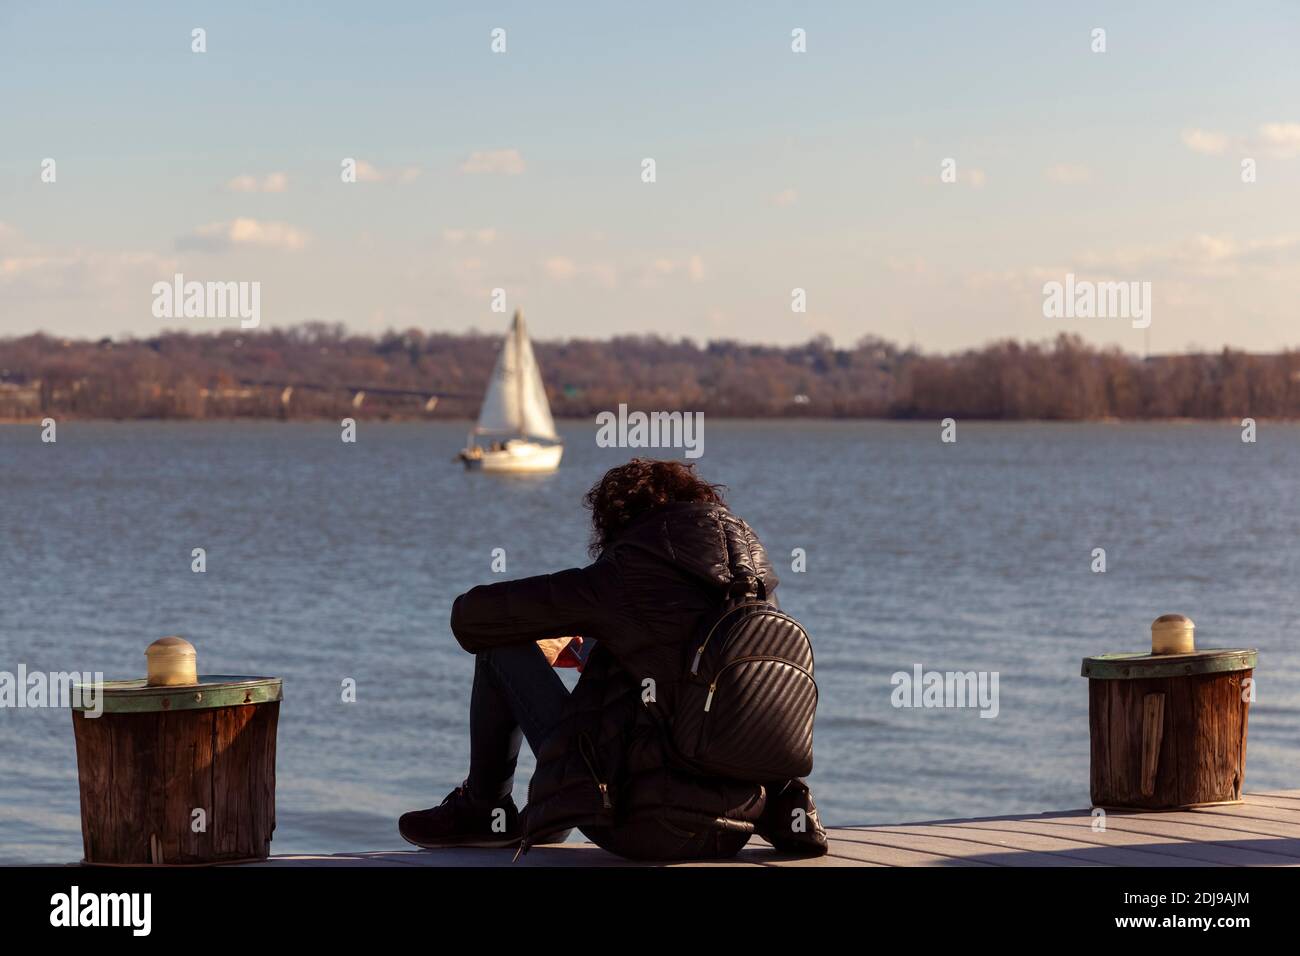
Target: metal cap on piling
(1173, 634)
(171, 661)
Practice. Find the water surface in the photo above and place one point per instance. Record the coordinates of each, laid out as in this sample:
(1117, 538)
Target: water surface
(328, 561)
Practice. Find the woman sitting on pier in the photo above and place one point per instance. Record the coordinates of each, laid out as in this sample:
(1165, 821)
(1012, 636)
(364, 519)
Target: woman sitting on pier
(668, 554)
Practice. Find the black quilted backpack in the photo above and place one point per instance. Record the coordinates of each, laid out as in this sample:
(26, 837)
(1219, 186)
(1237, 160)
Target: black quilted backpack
(747, 698)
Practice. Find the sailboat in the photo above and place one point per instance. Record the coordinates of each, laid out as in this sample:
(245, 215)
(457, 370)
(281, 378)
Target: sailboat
(515, 415)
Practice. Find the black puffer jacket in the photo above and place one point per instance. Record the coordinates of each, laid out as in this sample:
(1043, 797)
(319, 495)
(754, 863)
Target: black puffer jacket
(644, 601)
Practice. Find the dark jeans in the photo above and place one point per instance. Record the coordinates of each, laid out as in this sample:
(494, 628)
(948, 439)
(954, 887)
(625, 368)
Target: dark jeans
(516, 695)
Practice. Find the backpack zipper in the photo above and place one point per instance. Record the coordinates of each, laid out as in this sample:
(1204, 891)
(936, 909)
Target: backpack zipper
(587, 749)
(584, 745)
(708, 701)
(699, 653)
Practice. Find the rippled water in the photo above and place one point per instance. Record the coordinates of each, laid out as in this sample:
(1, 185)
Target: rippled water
(328, 561)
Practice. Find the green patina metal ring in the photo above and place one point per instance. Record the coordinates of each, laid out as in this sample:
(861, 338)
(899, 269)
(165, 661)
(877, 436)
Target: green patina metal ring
(1148, 666)
(212, 690)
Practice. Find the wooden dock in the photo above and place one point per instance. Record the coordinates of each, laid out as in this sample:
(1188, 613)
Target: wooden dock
(1264, 830)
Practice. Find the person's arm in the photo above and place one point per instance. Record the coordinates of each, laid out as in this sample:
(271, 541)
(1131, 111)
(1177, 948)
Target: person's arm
(533, 609)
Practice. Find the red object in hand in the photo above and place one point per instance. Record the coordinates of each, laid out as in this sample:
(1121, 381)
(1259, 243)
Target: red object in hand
(569, 656)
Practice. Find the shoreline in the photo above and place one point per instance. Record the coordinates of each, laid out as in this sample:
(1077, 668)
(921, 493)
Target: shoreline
(413, 420)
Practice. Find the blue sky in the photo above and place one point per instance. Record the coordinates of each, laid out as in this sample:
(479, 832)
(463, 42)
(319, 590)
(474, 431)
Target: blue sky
(775, 170)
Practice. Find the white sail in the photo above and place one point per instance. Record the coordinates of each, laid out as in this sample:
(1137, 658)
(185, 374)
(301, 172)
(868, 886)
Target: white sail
(516, 403)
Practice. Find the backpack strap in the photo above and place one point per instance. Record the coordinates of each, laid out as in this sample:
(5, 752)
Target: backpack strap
(746, 581)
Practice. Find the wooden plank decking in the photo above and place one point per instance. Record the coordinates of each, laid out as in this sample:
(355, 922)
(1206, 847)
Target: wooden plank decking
(1262, 831)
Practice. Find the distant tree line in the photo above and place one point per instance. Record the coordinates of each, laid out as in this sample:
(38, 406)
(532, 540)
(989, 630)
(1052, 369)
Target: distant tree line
(243, 374)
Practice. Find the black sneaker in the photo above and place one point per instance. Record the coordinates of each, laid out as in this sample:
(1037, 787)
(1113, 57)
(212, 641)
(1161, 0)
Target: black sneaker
(459, 821)
(790, 822)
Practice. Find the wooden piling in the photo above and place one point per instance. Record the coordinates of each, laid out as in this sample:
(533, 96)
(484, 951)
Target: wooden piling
(179, 775)
(1168, 730)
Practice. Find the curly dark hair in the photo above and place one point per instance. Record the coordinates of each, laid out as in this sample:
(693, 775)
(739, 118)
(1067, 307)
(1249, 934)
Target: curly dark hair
(643, 483)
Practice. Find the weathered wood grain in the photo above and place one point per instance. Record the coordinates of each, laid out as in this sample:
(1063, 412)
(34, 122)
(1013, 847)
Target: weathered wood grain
(1089, 844)
(1262, 831)
(1167, 742)
(143, 776)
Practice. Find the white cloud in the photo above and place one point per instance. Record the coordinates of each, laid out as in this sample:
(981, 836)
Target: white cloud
(907, 265)
(484, 237)
(565, 269)
(13, 266)
(786, 197)
(1279, 140)
(223, 236)
(1068, 174)
(1020, 281)
(40, 275)
(80, 273)
(663, 267)
(560, 268)
(506, 162)
(1193, 259)
(1202, 254)
(1205, 141)
(271, 183)
(368, 172)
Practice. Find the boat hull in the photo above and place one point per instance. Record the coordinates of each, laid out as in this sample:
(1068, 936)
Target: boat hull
(516, 458)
